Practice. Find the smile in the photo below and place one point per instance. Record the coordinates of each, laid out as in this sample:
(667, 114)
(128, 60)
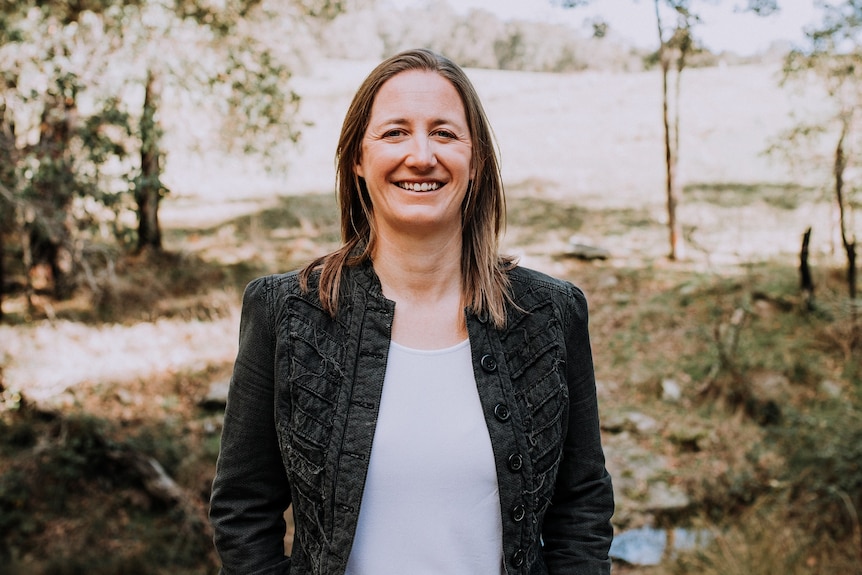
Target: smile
(415, 187)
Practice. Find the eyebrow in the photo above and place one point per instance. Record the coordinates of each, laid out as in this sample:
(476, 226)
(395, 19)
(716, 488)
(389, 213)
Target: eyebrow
(434, 123)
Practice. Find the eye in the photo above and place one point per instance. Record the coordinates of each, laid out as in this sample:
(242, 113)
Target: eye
(393, 133)
(449, 135)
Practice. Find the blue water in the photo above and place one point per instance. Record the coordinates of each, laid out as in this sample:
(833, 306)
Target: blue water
(648, 546)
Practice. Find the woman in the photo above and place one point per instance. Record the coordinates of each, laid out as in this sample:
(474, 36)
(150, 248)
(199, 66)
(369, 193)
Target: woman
(427, 406)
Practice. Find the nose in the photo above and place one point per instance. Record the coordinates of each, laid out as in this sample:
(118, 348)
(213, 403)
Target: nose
(421, 154)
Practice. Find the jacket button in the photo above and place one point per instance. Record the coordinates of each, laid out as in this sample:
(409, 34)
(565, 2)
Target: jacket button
(518, 513)
(488, 363)
(518, 558)
(501, 412)
(515, 462)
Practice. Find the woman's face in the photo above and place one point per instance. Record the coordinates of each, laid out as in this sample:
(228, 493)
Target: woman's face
(416, 155)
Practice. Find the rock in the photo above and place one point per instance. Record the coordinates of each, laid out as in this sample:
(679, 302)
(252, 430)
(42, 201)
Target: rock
(831, 389)
(631, 421)
(690, 437)
(583, 251)
(641, 377)
(671, 391)
(634, 470)
(768, 391)
(216, 397)
(664, 497)
(642, 423)
(769, 385)
(613, 423)
(608, 282)
(688, 289)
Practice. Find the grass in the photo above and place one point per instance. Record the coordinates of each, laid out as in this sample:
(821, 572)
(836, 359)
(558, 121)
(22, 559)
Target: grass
(788, 196)
(764, 540)
(68, 505)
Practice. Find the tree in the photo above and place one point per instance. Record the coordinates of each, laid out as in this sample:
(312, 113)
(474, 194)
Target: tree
(833, 55)
(246, 78)
(675, 20)
(52, 150)
(674, 47)
(71, 133)
(219, 60)
(675, 43)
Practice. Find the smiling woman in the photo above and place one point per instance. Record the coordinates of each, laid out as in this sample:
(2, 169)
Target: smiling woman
(426, 405)
(415, 160)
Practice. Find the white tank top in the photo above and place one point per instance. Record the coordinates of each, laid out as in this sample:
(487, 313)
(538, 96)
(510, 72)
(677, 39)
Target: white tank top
(431, 504)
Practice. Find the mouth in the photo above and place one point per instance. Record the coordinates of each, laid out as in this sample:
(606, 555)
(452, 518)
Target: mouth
(419, 186)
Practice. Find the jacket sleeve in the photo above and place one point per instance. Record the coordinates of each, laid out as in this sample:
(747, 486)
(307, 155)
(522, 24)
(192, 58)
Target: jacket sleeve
(577, 532)
(250, 490)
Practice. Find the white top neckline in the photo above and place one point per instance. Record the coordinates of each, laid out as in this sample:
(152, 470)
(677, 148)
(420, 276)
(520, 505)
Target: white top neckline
(436, 351)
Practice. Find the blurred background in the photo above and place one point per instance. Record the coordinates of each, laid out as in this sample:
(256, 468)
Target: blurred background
(691, 164)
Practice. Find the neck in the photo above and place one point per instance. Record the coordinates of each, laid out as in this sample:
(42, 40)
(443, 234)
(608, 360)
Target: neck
(423, 278)
(416, 268)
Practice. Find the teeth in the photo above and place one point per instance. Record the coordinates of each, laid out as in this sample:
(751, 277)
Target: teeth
(423, 187)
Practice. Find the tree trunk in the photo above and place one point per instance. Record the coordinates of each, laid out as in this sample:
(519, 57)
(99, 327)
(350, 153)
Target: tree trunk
(675, 236)
(51, 229)
(149, 190)
(2, 269)
(849, 242)
(847, 239)
(806, 282)
(25, 220)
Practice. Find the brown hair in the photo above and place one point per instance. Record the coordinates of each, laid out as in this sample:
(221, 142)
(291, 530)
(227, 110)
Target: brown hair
(485, 286)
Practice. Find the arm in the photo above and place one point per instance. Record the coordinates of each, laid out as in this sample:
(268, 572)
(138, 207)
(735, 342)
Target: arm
(250, 489)
(577, 531)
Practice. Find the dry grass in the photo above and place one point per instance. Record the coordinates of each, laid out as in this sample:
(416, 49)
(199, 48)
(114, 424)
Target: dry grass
(766, 540)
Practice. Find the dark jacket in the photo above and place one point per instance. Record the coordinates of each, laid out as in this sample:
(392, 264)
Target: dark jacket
(302, 409)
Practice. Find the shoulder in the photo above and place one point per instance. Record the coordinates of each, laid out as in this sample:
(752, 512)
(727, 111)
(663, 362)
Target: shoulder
(531, 290)
(268, 286)
(283, 290)
(525, 282)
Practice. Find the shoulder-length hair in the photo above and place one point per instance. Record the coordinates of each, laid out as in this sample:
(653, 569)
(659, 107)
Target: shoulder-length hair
(485, 285)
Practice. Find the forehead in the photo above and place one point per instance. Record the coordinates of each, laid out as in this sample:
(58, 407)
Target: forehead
(417, 92)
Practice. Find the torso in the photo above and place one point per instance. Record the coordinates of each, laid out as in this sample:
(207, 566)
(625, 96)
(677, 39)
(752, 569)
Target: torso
(431, 502)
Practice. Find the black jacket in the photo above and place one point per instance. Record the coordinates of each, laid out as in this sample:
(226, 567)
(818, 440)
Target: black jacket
(301, 415)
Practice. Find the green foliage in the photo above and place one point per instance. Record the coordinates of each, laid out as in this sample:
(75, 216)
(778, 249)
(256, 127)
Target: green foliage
(75, 482)
(782, 196)
(259, 109)
(544, 214)
(823, 449)
(16, 518)
(55, 189)
(763, 7)
(98, 153)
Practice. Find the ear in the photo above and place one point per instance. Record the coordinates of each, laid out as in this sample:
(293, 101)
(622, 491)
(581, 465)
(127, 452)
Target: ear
(358, 170)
